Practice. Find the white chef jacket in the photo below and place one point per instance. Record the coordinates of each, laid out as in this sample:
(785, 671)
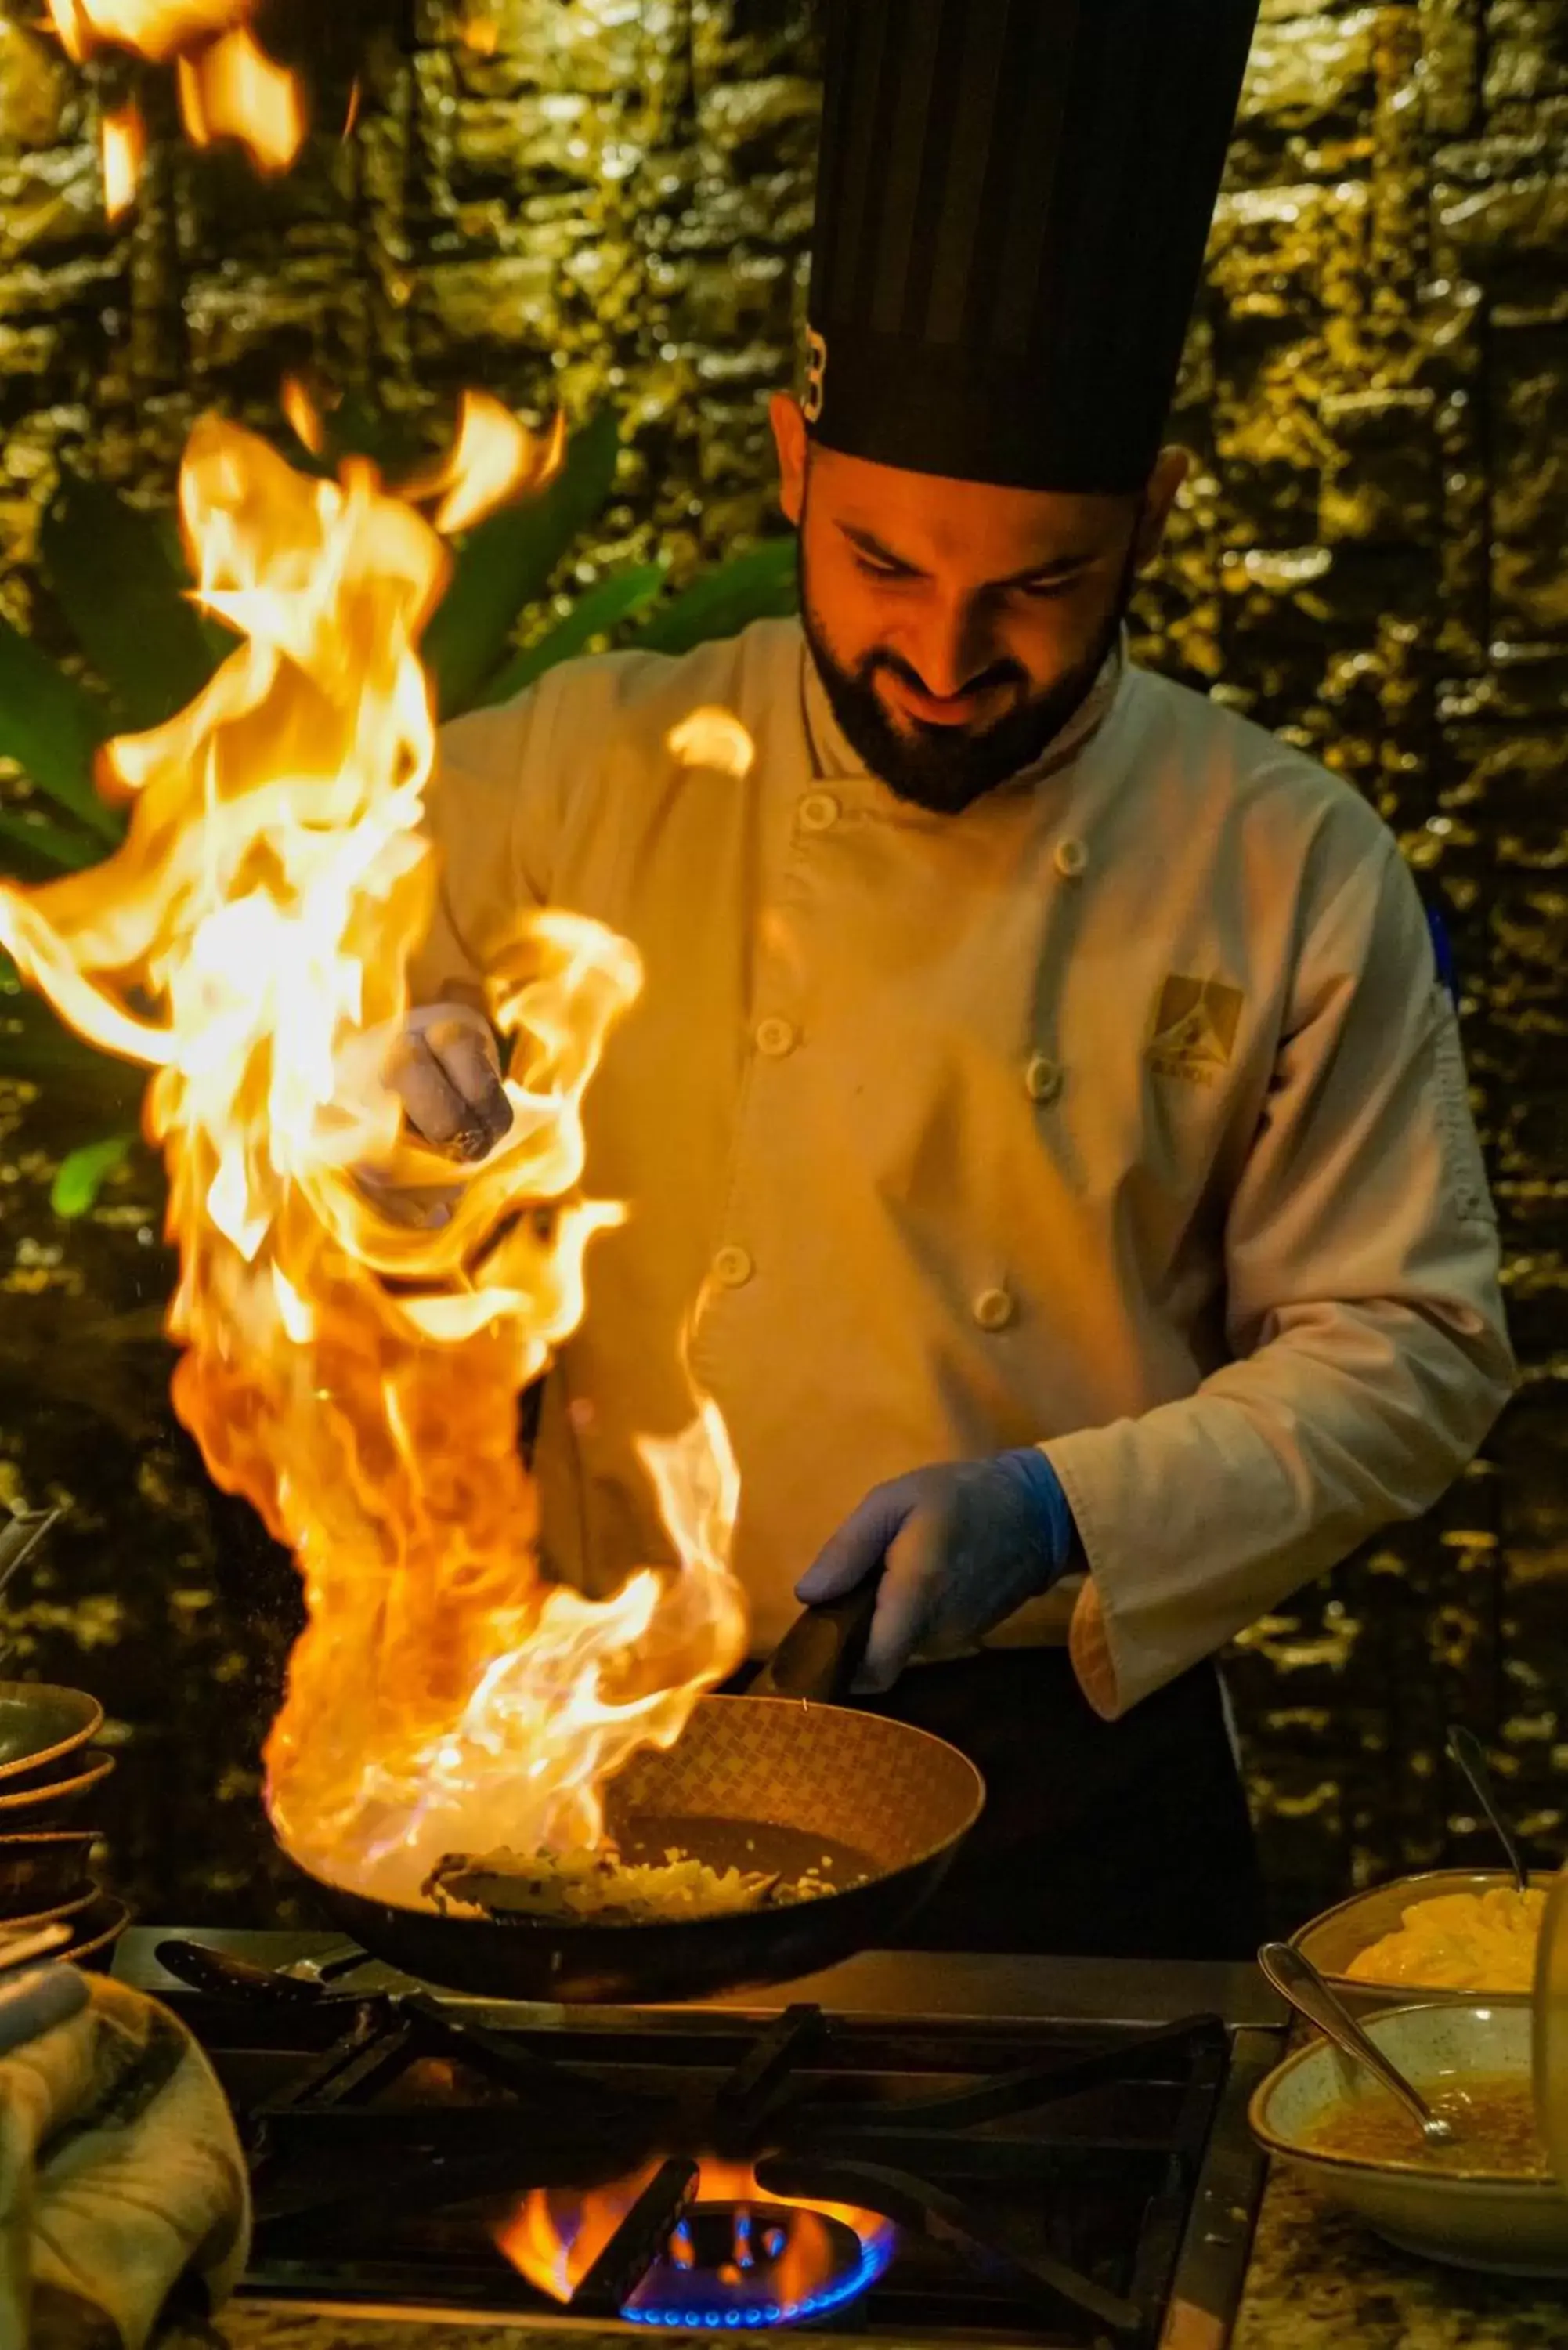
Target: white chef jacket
(1123, 1113)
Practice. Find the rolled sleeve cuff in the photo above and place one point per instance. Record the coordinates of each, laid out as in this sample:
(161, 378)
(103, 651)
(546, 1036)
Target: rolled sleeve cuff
(1090, 1645)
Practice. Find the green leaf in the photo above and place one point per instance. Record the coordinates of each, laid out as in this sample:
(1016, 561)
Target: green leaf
(166, 523)
(50, 1057)
(507, 561)
(47, 844)
(35, 1043)
(82, 1176)
(109, 566)
(52, 727)
(759, 586)
(216, 635)
(604, 608)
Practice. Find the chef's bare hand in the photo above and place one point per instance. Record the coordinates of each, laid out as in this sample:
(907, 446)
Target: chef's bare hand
(958, 1546)
(445, 1071)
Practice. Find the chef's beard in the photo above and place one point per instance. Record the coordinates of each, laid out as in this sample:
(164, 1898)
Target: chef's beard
(946, 769)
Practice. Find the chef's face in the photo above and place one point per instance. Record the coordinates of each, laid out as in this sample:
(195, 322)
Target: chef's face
(958, 625)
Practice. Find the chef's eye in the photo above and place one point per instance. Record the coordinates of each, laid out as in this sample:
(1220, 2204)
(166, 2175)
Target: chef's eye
(869, 569)
(1049, 591)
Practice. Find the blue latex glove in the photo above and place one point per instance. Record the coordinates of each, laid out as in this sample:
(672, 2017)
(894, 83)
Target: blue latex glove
(964, 1545)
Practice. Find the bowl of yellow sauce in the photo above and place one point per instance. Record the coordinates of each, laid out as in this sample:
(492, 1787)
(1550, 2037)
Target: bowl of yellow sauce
(1490, 2199)
(1451, 1934)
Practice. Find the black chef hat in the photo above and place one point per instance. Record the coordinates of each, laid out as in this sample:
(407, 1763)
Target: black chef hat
(1012, 202)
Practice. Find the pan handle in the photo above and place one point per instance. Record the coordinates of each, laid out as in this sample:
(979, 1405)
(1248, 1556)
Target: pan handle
(820, 1654)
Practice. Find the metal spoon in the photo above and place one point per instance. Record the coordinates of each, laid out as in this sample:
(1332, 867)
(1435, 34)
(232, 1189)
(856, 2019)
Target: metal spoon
(1465, 1749)
(1296, 1980)
(19, 1538)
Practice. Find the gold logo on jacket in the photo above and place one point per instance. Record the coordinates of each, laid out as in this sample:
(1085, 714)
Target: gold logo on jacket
(816, 387)
(1195, 1025)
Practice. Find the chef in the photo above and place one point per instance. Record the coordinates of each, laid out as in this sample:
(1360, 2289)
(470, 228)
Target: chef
(1043, 1103)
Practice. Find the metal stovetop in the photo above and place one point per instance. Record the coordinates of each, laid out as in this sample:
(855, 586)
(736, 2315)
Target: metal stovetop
(918, 2018)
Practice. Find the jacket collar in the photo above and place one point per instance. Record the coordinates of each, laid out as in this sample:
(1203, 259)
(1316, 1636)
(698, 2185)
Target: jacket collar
(833, 756)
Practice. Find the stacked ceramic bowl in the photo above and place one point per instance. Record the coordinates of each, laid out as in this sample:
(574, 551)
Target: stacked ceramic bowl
(1490, 2199)
(50, 1775)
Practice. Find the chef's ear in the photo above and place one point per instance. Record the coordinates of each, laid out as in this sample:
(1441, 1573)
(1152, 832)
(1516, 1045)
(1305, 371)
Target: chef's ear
(1170, 470)
(790, 437)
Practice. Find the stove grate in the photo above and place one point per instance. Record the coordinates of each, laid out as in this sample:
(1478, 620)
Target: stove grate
(1053, 2192)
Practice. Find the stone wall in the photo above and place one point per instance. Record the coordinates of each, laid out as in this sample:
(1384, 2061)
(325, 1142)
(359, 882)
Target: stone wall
(570, 198)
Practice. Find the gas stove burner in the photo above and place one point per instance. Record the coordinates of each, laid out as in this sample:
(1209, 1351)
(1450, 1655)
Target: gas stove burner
(735, 2257)
(734, 2265)
(965, 2151)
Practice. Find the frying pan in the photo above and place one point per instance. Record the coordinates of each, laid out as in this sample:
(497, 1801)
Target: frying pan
(777, 1779)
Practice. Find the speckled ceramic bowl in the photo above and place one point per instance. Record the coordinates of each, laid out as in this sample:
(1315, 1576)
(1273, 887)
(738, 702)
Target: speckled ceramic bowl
(41, 1727)
(51, 1805)
(1336, 1936)
(95, 1931)
(63, 1913)
(38, 1872)
(1477, 2220)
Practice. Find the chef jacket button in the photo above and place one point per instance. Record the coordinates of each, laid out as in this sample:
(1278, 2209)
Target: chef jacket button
(819, 812)
(993, 1309)
(1072, 858)
(732, 1268)
(1043, 1079)
(776, 1037)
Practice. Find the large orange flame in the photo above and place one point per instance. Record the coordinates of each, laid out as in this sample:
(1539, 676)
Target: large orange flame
(352, 1357)
(232, 89)
(154, 28)
(229, 87)
(122, 147)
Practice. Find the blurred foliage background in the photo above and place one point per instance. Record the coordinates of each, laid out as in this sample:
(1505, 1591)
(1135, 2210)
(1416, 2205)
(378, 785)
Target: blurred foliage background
(605, 204)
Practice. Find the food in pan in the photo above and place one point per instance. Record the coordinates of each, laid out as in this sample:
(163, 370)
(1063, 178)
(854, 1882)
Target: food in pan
(1493, 2120)
(1460, 1941)
(600, 1888)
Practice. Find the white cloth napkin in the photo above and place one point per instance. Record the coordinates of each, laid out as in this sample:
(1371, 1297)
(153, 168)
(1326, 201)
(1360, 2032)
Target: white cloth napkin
(121, 2170)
